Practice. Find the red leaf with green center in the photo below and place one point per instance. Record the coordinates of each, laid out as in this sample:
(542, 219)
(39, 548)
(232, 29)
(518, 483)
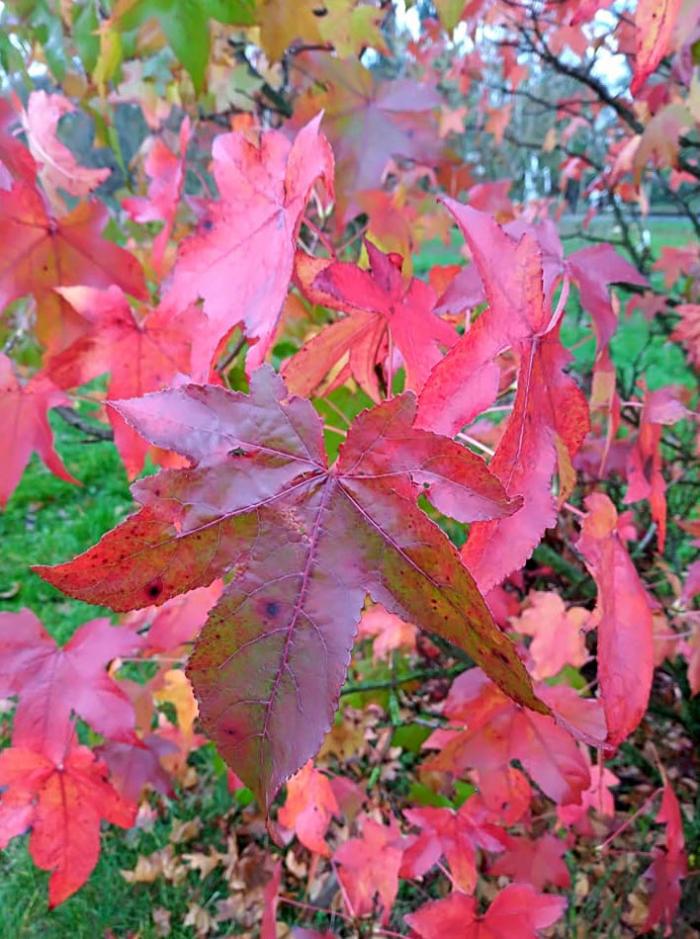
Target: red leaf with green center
(304, 544)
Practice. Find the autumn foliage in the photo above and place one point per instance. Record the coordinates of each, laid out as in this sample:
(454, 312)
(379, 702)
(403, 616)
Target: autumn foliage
(410, 555)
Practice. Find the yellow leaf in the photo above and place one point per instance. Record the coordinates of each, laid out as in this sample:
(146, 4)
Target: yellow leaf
(282, 23)
(450, 12)
(177, 690)
(351, 28)
(550, 140)
(109, 59)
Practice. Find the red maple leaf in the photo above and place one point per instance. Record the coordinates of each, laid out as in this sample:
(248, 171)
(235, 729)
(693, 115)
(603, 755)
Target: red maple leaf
(644, 462)
(623, 616)
(549, 409)
(687, 330)
(53, 682)
(593, 269)
(535, 861)
(309, 807)
(456, 835)
(42, 252)
(176, 622)
(669, 867)
(368, 869)
(506, 794)
(166, 172)
(306, 544)
(558, 633)
(139, 355)
(240, 260)
(16, 162)
(390, 632)
(654, 22)
(63, 804)
(59, 171)
(136, 763)
(498, 731)
(597, 797)
(24, 417)
(386, 312)
(368, 121)
(518, 910)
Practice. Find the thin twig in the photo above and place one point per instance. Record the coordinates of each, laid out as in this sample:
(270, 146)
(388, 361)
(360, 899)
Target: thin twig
(418, 675)
(97, 432)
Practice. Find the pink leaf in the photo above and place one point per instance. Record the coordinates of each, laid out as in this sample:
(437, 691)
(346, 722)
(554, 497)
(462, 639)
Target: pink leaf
(625, 628)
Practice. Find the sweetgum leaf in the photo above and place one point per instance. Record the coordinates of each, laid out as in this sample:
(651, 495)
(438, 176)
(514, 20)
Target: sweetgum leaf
(654, 22)
(24, 413)
(303, 544)
(517, 910)
(549, 408)
(41, 252)
(240, 260)
(140, 355)
(384, 310)
(54, 682)
(63, 803)
(624, 618)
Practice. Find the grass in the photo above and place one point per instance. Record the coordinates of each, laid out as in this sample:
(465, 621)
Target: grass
(107, 905)
(47, 521)
(664, 231)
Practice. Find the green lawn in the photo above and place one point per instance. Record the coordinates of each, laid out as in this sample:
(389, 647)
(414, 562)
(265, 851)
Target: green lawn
(48, 520)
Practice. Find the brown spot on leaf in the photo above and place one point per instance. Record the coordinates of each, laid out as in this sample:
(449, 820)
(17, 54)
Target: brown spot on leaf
(155, 588)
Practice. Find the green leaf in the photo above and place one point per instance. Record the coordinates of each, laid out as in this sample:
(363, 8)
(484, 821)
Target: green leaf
(410, 737)
(87, 41)
(185, 24)
(450, 12)
(186, 27)
(49, 32)
(420, 794)
(234, 12)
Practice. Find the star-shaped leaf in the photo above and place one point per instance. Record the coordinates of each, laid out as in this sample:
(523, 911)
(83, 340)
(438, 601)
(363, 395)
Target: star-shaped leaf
(385, 312)
(63, 803)
(304, 544)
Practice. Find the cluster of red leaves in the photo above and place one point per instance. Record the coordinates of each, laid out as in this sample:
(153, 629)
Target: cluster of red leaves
(251, 527)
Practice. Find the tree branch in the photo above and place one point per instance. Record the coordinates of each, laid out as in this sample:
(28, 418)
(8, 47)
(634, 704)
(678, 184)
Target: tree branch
(419, 675)
(97, 432)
